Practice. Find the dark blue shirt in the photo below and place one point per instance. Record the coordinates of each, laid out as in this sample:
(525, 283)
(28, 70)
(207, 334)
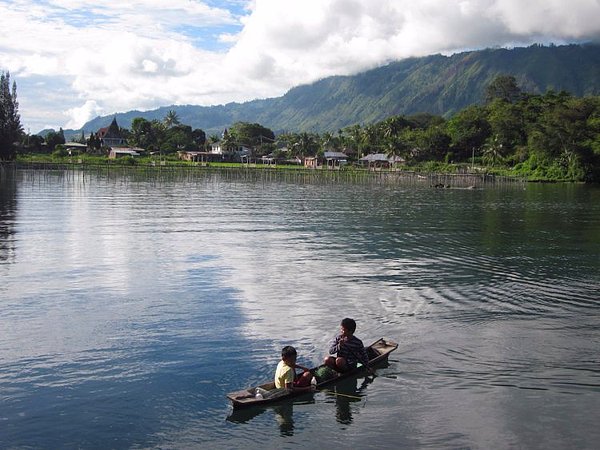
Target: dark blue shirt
(353, 350)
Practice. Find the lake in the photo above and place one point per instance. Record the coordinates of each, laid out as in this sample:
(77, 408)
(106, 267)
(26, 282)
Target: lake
(132, 302)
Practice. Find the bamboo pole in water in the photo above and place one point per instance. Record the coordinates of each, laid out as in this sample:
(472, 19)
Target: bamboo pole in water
(434, 180)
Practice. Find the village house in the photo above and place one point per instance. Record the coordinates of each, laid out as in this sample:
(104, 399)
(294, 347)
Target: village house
(111, 136)
(380, 161)
(230, 153)
(335, 159)
(74, 148)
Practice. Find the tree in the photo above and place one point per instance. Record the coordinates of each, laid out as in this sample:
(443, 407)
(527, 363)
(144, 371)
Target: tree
(199, 137)
(32, 143)
(93, 142)
(171, 119)
(353, 140)
(371, 138)
(180, 137)
(305, 144)
(503, 87)
(141, 133)
(563, 138)
(493, 151)
(10, 120)
(54, 138)
(228, 142)
(507, 124)
(468, 129)
(431, 144)
(251, 134)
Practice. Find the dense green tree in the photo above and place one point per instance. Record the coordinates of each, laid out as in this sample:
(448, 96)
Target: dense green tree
(54, 138)
(142, 134)
(178, 138)
(93, 142)
(10, 120)
(305, 144)
(563, 139)
(431, 144)
(507, 126)
(199, 138)
(251, 134)
(468, 130)
(228, 142)
(503, 87)
(32, 143)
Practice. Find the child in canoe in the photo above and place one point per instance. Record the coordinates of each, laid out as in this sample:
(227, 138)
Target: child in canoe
(285, 375)
(348, 348)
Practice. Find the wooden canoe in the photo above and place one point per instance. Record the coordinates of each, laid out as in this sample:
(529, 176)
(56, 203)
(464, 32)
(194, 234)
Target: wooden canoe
(378, 352)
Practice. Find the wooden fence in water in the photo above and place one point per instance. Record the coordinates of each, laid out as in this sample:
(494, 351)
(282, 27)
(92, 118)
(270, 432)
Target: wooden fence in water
(265, 173)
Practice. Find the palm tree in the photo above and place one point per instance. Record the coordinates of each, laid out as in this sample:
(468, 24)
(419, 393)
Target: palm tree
(370, 137)
(171, 119)
(493, 152)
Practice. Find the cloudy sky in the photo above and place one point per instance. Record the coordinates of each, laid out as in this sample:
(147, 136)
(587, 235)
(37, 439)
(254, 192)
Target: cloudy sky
(76, 59)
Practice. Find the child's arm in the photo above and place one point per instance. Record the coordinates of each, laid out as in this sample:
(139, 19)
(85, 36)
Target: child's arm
(298, 366)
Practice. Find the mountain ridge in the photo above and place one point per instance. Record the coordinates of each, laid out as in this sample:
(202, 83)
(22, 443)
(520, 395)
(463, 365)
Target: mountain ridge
(434, 84)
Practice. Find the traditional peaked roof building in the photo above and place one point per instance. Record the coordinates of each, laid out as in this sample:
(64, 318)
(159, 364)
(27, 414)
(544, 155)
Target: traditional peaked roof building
(111, 136)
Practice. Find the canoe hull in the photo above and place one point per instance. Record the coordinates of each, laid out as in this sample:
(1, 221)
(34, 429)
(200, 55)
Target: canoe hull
(378, 352)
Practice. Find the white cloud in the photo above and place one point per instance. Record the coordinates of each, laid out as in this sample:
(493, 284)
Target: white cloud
(83, 113)
(141, 54)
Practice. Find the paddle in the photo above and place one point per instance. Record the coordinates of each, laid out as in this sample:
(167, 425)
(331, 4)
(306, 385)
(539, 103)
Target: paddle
(354, 397)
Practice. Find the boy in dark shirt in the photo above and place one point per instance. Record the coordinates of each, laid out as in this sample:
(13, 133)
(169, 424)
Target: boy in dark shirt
(349, 349)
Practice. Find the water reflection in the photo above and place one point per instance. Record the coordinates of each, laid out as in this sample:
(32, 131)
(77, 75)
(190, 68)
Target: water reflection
(283, 413)
(284, 416)
(8, 208)
(346, 394)
(134, 302)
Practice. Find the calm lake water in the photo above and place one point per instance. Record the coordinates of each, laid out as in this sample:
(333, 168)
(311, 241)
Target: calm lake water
(131, 303)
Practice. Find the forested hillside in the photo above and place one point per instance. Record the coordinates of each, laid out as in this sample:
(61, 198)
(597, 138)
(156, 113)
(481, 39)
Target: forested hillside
(435, 84)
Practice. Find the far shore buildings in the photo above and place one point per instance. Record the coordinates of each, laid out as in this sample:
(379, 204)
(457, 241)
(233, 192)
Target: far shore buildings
(111, 138)
(219, 152)
(381, 161)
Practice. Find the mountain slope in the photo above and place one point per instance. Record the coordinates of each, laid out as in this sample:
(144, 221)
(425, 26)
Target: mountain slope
(435, 84)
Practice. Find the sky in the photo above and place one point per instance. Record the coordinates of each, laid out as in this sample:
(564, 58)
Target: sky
(73, 60)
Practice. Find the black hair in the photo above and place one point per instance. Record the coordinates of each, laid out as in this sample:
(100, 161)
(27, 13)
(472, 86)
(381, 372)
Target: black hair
(288, 352)
(349, 324)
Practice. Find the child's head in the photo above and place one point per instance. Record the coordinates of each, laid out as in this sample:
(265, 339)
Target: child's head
(289, 354)
(348, 326)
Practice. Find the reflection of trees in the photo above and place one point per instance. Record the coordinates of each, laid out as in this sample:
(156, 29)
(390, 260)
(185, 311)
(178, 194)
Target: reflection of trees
(8, 209)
